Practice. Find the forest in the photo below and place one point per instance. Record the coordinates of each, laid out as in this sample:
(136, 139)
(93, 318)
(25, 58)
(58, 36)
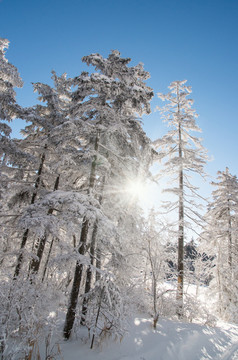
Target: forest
(77, 251)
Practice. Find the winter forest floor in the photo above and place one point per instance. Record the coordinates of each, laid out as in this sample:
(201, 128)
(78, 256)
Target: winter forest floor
(172, 340)
(203, 338)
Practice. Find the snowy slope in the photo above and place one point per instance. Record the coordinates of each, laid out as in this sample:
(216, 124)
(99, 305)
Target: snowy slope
(171, 341)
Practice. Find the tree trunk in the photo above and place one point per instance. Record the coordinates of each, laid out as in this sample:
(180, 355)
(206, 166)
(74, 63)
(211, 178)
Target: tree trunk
(25, 235)
(47, 260)
(180, 252)
(98, 262)
(154, 284)
(180, 284)
(35, 263)
(154, 292)
(229, 237)
(97, 317)
(89, 273)
(92, 257)
(220, 281)
(70, 316)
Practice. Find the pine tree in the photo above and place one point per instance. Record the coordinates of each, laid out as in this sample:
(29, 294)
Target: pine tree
(222, 243)
(9, 109)
(183, 154)
(71, 202)
(12, 158)
(117, 93)
(9, 79)
(40, 141)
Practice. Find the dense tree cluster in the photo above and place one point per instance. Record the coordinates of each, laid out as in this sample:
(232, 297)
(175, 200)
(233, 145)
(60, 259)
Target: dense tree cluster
(74, 240)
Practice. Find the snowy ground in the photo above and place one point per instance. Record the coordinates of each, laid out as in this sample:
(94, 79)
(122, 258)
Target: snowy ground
(171, 341)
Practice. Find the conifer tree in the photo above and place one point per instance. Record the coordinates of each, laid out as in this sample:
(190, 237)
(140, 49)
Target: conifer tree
(84, 145)
(9, 109)
(12, 159)
(117, 94)
(221, 243)
(9, 79)
(40, 140)
(183, 155)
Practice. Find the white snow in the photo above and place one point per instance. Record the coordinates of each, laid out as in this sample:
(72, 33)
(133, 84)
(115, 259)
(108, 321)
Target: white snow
(172, 340)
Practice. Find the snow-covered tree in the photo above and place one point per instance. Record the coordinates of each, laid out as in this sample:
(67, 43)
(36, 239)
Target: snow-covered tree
(222, 241)
(118, 93)
(9, 79)
(50, 199)
(12, 159)
(183, 156)
(41, 139)
(156, 264)
(9, 109)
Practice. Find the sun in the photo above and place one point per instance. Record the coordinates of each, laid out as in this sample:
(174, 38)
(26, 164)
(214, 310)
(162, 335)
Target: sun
(146, 193)
(136, 189)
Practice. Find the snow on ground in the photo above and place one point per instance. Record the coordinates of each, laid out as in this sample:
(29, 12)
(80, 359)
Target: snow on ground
(172, 340)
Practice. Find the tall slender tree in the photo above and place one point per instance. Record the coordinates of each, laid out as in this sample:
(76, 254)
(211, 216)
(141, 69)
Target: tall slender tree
(183, 153)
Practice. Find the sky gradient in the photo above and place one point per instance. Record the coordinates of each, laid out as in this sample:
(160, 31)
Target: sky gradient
(175, 39)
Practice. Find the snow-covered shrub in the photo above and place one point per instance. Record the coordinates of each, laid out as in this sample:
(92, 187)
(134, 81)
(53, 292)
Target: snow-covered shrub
(106, 311)
(25, 317)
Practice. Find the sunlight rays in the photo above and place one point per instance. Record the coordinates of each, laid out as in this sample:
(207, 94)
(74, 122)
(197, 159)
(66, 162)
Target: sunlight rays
(136, 189)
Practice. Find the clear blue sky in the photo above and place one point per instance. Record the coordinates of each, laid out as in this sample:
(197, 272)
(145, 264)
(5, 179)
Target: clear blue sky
(195, 40)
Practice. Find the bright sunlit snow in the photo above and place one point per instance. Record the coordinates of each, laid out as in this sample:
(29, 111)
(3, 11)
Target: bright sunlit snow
(171, 341)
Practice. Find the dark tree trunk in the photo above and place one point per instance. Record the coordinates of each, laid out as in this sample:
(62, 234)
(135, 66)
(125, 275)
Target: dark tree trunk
(70, 316)
(89, 273)
(97, 317)
(25, 235)
(180, 284)
(154, 285)
(35, 263)
(47, 260)
(88, 282)
(180, 250)
(98, 262)
(229, 225)
(229, 236)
